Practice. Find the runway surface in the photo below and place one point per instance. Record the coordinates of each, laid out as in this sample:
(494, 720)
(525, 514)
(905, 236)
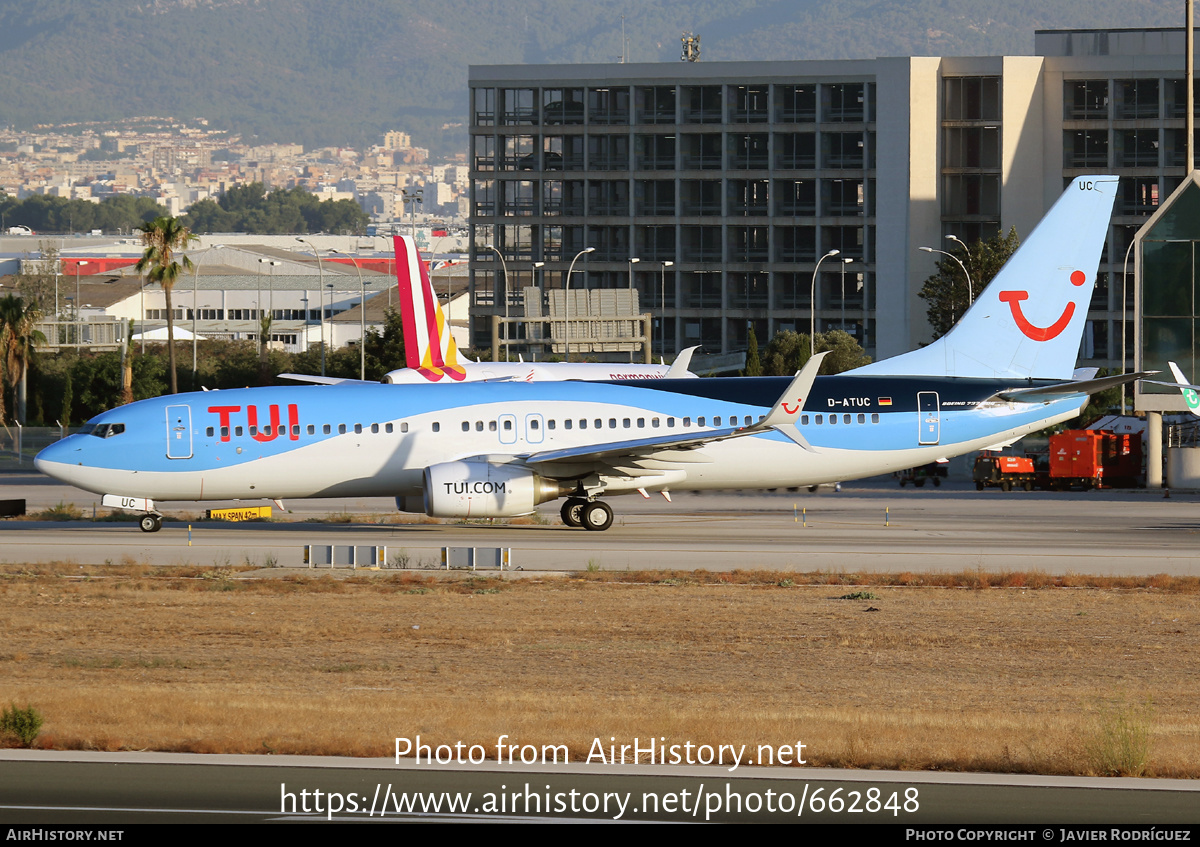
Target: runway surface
(111, 788)
(870, 525)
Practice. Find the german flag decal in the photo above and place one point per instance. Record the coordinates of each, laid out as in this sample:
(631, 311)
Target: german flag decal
(885, 401)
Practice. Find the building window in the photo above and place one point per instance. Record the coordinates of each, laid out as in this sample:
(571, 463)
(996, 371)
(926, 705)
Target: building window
(1136, 98)
(1087, 98)
(972, 98)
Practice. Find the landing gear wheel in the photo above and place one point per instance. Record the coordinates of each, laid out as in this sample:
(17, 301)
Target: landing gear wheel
(572, 512)
(150, 523)
(937, 482)
(597, 516)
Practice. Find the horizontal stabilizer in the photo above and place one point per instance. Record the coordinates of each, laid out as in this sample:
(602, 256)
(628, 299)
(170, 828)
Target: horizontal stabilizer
(1046, 393)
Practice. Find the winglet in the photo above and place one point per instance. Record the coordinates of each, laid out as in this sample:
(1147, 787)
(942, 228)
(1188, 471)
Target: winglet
(679, 368)
(1189, 393)
(789, 405)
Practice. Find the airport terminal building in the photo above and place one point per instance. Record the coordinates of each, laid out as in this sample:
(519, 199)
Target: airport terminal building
(728, 182)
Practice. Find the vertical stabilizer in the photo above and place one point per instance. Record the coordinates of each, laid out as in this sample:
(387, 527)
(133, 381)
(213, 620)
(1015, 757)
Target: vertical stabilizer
(1028, 322)
(428, 343)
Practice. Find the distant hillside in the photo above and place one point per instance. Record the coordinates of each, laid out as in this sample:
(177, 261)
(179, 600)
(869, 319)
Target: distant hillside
(328, 73)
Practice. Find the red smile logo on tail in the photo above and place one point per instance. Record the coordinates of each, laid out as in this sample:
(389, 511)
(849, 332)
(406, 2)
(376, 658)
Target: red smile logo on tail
(1039, 333)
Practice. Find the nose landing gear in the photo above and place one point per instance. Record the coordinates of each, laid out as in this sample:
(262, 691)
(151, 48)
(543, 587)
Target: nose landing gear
(150, 522)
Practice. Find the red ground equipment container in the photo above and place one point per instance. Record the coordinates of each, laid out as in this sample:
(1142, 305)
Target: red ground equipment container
(1095, 458)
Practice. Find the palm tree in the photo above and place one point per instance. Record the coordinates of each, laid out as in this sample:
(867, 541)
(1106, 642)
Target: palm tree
(18, 338)
(162, 237)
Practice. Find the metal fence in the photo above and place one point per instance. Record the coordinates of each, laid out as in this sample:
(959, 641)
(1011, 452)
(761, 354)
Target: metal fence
(18, 444)
(108, 333)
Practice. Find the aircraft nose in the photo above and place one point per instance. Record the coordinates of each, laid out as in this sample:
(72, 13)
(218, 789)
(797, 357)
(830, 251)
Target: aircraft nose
(55, 459)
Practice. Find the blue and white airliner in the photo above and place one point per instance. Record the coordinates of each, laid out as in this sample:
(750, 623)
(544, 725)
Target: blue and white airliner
(500, 449)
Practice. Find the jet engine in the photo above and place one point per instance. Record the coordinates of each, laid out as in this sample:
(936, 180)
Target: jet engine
(487, 490)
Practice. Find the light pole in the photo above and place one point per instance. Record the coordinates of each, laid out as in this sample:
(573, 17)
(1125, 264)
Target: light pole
(195, 283)
(504, 267)
(844, 263)
(321, 277)
(417, 195)
(970, 299)
(1124, 293)
(632, 262)
(362, 315)
(77, 265)
(533, 282)
(812, 302)
(967, 253)
(57, 271)
(567, 297)
(662, 313)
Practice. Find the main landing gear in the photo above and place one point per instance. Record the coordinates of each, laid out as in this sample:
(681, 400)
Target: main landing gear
(594, 515)
(150, 522)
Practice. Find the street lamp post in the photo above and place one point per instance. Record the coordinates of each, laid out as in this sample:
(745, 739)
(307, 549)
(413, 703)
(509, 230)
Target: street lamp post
(662, 312)
(362, 315)
(321, 277)
(967, 253)
(567, 297)
(1124, 294)
(77, 301)
(812, 302)
(412, 198)
(533, 282)
(844, 263)
(504, 267)
(970, 298)
(195, 285)
(632, 262)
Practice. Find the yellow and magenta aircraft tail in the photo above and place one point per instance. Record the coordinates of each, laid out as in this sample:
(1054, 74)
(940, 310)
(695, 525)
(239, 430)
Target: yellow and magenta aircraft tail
(428, 345)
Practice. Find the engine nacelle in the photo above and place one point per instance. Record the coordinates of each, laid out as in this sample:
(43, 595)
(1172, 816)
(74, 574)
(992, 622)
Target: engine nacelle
(486, 490)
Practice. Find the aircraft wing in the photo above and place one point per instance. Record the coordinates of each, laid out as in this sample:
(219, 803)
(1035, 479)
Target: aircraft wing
(1180, 380)
(1056, 392)
(781, 418)
(322, 380)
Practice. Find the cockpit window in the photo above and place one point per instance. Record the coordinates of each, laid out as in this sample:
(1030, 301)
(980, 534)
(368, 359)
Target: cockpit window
(103, 430)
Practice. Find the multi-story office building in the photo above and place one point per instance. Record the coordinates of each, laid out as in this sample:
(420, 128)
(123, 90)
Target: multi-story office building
(729, 182)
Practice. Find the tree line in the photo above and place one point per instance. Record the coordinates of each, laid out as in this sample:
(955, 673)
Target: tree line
(284, 211)
(73, 386)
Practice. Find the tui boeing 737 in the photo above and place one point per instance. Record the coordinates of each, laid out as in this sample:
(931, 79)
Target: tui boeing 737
(500, 449)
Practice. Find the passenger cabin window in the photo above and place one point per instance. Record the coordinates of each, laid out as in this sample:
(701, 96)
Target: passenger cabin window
(358, 427)
(387, 427)
(374, 427)
(804, 420)
(533, 424)
(209, 432)
(296, 430)
(341, 429)
(437, 427)
(312, 430)
(326, 429)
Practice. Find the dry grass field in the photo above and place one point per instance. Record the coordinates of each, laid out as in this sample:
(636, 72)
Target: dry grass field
(1018, 672)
